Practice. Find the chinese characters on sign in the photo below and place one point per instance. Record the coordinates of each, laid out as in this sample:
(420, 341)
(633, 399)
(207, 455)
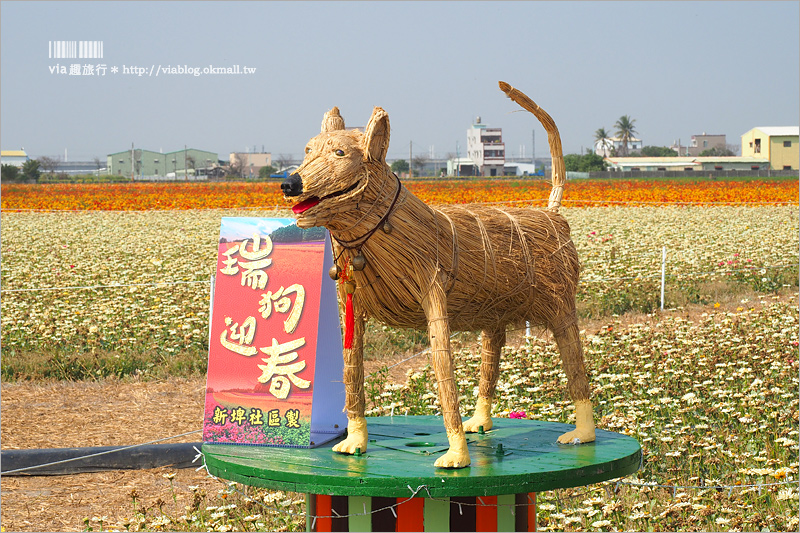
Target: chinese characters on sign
(239, 416)
(253, 275)
(267, 371)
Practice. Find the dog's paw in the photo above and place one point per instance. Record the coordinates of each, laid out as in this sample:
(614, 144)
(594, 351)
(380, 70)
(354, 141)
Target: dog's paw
(351, 446)
(457, 455)
(482, 417)
(474, 424)
(356, 441)
(453, 459)
(577, 436)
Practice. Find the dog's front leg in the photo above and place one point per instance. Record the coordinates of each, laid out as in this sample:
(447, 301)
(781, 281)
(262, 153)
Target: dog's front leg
(356, 441)
(435, 306)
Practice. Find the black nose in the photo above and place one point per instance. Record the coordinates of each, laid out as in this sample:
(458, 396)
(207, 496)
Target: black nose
(292, 186)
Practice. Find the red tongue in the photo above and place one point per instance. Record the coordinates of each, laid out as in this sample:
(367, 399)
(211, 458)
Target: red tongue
(305, 205)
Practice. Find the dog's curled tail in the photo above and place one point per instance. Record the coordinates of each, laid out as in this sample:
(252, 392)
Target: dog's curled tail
(553, 139)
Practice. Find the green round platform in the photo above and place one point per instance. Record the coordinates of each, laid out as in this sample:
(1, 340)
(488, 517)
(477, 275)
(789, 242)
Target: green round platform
(515, 456)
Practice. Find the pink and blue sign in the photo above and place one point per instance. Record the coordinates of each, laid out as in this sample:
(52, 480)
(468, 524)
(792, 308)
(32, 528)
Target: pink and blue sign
(275, 348)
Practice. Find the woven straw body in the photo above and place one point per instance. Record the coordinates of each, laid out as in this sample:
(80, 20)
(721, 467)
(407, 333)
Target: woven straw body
(498, 265)
(452, 268)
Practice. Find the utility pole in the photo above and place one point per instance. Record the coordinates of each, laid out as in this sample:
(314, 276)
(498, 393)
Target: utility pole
(533, 147)
(185, 165)
(132, 161)
(410, 167)
(458, 164)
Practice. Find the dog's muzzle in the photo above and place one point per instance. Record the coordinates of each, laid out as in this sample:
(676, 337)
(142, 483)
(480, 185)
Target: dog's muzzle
(292, 186)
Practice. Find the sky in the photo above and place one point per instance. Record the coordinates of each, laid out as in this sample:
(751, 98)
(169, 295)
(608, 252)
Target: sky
(677, 68)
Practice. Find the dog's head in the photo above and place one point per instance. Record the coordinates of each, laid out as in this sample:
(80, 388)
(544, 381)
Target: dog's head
(334, 173)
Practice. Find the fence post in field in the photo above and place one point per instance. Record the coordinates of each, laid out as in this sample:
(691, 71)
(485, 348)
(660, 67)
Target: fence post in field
(663, 272)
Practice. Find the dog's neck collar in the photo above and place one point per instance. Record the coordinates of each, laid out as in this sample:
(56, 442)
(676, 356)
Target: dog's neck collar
(359, 241)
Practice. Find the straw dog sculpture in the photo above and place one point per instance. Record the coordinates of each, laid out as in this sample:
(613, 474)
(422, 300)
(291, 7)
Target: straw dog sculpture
(459, 268)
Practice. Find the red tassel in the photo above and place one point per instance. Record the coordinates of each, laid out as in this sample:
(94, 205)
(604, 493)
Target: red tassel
(349, 322)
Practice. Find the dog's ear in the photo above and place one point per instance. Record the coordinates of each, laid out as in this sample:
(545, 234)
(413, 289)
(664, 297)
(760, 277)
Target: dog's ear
(332, 121)
(376, 136)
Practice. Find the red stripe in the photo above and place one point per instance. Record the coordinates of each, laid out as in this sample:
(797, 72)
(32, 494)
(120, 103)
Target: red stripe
(531, 511)
(486, 513)
(349, 322)
(323, 513)
(410, 514)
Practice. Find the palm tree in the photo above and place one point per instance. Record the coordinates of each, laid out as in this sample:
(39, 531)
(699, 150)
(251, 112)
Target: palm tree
(625, 131)
(602, 138)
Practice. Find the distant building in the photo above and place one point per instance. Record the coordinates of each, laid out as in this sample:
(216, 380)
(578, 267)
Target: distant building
(777, 144)
(486, 149)
(699, 144)
(249, 164)
(15, 158)
(462, 166)
(523, 169)
(688, 164)
(80, 167)
(141, 163)
(604, 147)
(613, 145)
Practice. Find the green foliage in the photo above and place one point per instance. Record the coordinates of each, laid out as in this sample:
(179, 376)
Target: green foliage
(717, 152)
(625, 131)
(584, 163)
(381, 339)
(618, 298)
(293, 233)
(375, 386)
(264, 172)
(401, 165)
(83, 178)
(30, 169)
(601, 135)
(767, 280)
(655, 151)
(9, 173)
(101, 359)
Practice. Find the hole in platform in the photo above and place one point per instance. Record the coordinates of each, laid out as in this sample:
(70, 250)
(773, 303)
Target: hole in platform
(421, 433)
(420, 444)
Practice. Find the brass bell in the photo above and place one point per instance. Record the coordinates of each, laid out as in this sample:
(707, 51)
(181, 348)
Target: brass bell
(349, 287)
(387, 227)
(334, 272)
(359, 262)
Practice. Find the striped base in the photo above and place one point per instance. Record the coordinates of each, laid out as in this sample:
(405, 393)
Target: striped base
(508, 512)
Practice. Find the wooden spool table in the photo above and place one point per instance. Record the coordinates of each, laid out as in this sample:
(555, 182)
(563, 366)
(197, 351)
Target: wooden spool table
(395, 487)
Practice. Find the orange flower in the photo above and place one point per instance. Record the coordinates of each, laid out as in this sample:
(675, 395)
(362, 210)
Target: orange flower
(579, 193)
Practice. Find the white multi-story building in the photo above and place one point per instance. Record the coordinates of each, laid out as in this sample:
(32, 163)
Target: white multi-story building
(613, 145)
(486, 149)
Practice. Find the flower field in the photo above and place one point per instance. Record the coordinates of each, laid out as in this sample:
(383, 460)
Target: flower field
(169, 196)
(116, 282)
(713, 401)
(108, 283)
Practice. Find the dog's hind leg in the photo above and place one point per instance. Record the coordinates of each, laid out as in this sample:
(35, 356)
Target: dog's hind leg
(491, 345)
(435, 305)
(569, 345)
(356, 441)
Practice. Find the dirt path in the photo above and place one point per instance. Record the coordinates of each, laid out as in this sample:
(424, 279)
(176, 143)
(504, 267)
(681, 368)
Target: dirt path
(107, 413)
